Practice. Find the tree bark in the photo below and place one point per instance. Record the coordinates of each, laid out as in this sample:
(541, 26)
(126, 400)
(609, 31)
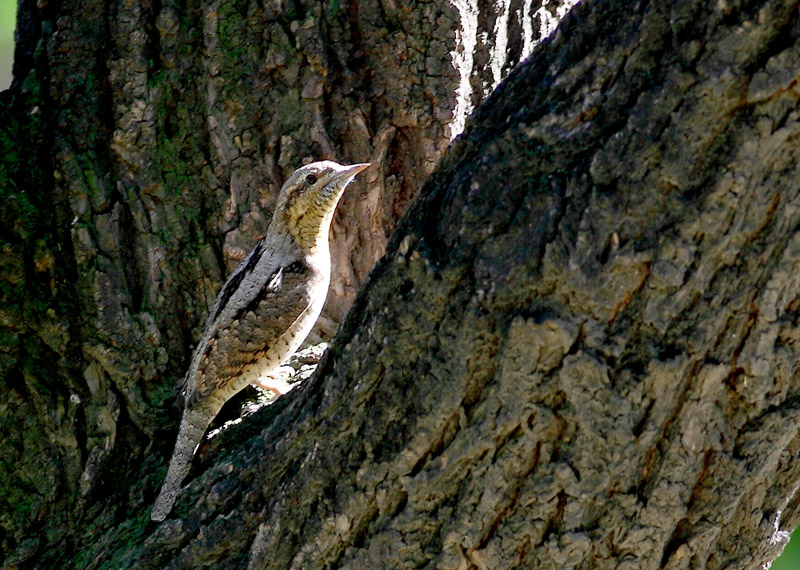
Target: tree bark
(579, 350)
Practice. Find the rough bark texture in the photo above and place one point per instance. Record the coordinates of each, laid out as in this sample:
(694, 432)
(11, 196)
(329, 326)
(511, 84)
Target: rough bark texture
(580, 350)
(141, 148)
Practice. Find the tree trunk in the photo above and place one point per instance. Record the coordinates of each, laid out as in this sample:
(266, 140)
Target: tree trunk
(579, 350)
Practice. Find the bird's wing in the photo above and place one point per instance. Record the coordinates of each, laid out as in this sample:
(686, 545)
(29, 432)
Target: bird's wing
(245, 271)
(240, 330)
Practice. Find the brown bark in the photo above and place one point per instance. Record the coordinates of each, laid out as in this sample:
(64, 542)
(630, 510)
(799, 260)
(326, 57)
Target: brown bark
(579, 351)
(142, 147)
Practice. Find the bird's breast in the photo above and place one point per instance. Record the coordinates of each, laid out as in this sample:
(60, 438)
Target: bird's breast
(262, 334)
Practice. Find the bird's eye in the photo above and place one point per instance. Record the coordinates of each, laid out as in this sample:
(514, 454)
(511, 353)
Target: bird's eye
(311, 179)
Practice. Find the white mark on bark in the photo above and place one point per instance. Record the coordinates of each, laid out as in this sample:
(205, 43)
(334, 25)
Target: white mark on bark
(500, 42)
(463, 54)
(547, 23)
(778, 536)
(463, 57)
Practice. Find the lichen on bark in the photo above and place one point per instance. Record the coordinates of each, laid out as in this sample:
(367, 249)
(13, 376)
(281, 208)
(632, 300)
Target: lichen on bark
(579, 351)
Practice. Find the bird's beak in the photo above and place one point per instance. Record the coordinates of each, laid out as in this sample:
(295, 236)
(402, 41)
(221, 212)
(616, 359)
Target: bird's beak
(354, 169)
(341, 179)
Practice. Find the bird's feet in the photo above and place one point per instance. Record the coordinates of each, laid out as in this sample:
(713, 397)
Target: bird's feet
(277, 381)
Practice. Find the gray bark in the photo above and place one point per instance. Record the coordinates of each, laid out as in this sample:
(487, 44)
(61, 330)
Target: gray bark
(578, 352)
(142, 147)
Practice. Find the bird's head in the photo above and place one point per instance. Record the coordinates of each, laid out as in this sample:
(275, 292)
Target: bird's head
(308, 199)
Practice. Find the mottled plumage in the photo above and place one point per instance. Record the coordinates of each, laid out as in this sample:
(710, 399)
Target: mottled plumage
(264, 311)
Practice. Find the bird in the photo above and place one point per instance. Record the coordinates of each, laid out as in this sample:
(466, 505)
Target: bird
(264, 310)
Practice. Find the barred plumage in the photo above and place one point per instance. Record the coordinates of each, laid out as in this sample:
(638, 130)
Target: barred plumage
(264, 311)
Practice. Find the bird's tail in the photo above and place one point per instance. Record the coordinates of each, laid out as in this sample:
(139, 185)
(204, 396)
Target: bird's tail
(193, 426)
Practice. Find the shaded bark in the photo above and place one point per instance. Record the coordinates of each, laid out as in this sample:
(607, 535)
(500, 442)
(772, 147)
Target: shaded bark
(142, 147)
(579, 350)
